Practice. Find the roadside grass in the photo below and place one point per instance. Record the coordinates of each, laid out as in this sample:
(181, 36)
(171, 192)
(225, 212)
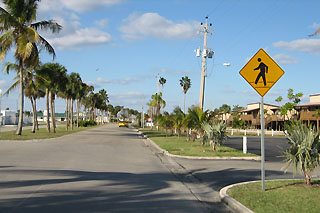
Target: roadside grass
(42, 133)
(280, 196)
(180, 146)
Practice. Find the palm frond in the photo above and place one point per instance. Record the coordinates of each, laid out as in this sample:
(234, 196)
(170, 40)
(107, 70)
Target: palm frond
(6, 20)
(9, 67)
(315, 33)
(12, 87)
(45, 25)
(45, 44)
(6, 41)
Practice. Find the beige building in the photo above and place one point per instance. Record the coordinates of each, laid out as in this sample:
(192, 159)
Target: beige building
(308, 112)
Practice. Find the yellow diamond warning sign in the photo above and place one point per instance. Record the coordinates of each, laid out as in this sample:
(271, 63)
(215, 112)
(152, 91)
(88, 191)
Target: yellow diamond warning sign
(261, 72)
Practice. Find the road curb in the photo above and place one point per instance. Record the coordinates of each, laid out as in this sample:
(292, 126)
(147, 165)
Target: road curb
(231, 202)
(258, 158)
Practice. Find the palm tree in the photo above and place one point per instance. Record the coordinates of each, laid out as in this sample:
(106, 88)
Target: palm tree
(162, 81)
(185, 83)
(52, 78)
(103, 100)
(156, 103)
(18, 31)
(195, 118)
(32, 90)
(73, 85)
(304, 151)
(178, 119)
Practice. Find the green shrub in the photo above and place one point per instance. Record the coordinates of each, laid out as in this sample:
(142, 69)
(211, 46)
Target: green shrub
(84, 123)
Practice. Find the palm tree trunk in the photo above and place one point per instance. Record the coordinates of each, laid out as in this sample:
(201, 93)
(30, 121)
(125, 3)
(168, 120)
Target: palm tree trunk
(47, 103)
(52, 112)
(71, 113)
(308, 177)
(20, 122)
(77, 113)
(184, 104)
(34, 123)
(36, 118)
(67, 113)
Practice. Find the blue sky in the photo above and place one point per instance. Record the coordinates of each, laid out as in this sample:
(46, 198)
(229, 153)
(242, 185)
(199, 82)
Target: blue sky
(121, 46)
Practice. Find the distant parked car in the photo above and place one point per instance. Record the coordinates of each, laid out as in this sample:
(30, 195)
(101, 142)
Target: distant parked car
(123, 124)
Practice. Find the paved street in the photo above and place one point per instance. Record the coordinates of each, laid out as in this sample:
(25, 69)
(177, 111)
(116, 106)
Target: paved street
(274, 146)
(220, 173)
(106, 169)
(112, 169)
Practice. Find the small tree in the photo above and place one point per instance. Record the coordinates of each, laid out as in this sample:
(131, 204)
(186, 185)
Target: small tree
(215, 133)
(294, 99)
(303, 154)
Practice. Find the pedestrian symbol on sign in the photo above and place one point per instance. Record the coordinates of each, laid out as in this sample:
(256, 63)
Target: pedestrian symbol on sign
(263, 70)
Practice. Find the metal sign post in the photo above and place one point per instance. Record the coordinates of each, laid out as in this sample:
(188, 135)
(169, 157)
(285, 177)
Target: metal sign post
(262, 144)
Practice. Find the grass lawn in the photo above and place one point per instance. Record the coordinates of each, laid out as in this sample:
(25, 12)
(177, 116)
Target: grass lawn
(280, 196)
(180, 146)
(41, 134)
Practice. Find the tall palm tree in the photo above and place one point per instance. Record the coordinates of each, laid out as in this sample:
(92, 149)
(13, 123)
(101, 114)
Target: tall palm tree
(185, 83)
(73, 87)
(162, 82)
(52, 78)
(19, 31)
(32, 90)
(156, 103)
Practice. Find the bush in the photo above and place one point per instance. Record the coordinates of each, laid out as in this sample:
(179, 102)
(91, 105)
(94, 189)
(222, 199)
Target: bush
(84, 123)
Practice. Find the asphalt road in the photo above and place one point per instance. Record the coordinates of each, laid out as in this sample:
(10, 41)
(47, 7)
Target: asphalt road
(274, 146)
(106, 169)
(220, 173)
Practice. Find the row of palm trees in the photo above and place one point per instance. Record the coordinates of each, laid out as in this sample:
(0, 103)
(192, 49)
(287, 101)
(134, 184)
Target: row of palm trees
(157, 102)
(195, 123)
(51, 80)
(19, 30)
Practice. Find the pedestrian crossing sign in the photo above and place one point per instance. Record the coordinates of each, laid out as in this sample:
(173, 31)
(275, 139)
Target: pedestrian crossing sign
(261, 72)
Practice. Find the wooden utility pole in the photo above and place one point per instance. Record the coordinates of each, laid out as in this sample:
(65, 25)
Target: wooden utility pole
(205, 53)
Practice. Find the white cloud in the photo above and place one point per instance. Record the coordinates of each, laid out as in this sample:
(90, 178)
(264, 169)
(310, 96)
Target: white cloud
(285, 59)
(129, 99)
(73, 35)
(303, 45)
(81, 38)
(172, 72)
(118, 81)
(124, 81)
(128, 95)
(103, 23)
(154, 25)
(85, 5)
